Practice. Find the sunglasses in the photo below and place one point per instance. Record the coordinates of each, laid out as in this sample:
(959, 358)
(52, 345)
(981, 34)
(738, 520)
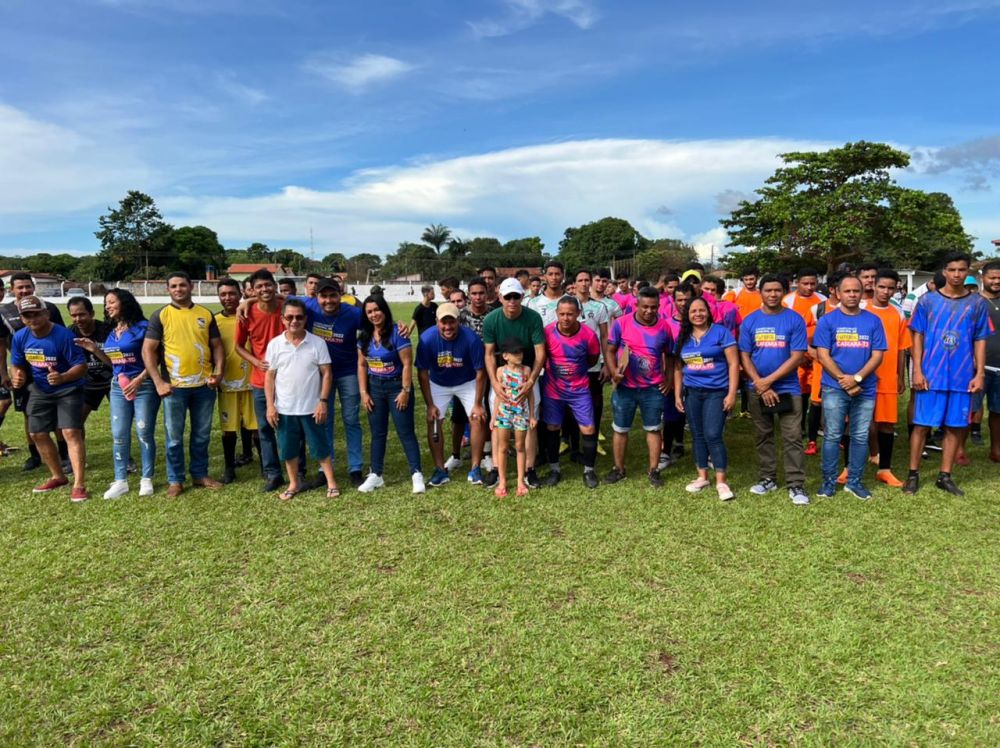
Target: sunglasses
(293, 317)
(512, 296)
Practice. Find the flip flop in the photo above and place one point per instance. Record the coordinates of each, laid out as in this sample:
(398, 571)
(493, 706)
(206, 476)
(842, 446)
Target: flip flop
(287, 495)
(500, 492)
(332, 492)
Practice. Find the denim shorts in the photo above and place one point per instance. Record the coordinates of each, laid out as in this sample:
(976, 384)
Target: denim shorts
(625, 401)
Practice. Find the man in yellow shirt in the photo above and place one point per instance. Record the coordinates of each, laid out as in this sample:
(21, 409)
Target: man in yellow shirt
(236, 413)
(183, 355)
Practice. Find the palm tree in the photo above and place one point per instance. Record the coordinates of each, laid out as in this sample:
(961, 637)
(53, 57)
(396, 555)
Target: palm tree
(437, 235)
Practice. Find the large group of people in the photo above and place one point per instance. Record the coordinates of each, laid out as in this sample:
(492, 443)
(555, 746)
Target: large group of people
(523, 364)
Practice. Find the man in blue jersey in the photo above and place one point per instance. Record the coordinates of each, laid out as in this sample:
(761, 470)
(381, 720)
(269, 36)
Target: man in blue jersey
(949, 328)
(849, 343)
(772, 344)
(337, 324)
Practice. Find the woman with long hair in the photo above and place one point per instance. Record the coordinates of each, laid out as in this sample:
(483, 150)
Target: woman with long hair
(705, 386)
(133, 396)
(385, 379)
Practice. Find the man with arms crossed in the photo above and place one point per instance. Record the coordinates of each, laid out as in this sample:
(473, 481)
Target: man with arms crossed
(772, 343)
(949, 328)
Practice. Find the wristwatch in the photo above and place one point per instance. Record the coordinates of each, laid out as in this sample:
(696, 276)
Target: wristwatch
(858, 378)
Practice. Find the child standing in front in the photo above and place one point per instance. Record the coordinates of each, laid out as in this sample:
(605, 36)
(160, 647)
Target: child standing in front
(512, 414)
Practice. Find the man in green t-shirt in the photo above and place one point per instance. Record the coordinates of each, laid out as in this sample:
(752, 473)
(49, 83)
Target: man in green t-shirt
(512, 320)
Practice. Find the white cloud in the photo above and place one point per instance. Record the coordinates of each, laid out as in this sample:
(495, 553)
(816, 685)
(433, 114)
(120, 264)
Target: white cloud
(711, 244)
(49, 169)
(524, 13)
(358, 74)
(240, 91)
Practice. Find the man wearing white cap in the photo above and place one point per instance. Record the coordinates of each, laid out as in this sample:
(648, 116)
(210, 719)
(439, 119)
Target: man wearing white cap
(512, 320)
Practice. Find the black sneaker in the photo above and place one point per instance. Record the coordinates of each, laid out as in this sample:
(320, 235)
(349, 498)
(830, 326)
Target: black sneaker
(243, 460)
(531, 479)
(654, 478)
(614, 475)
(491, 478)
(945, 483)
(67, 466)
(32, 463)
(272, 484)
(677, 451)
(976, 437)
(228, 476)
(356, 478)
(912, 485)
(590, 479)
(552, 479)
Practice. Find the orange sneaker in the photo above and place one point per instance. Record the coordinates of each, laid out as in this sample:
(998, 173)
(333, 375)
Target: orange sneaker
(888, 478)
(842, 478)
(811, 450)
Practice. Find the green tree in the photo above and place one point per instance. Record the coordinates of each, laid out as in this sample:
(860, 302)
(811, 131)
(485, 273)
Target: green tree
(484, 250)
(196, 248)
(259, 252)
(358, 265)
(437, 235)
(289, 258)
(664, 255)
(61, 264)
(922, 228)
(334, 262)
(527, 252)
(88, 268)
(413, 259)
(132, 236)
(597, 244)
(837, 206)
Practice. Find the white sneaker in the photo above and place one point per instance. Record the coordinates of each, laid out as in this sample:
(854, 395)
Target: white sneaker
(117, 489)
(418, 483)
(371, 483)
(146, 487)
(664, 462)
(452, 462)
(487, 464)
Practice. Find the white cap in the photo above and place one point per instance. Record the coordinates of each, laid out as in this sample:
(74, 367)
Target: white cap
(509, 286)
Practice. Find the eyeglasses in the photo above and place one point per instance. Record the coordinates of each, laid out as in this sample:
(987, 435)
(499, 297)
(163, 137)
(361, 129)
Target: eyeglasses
(293, 317)
(512, 296)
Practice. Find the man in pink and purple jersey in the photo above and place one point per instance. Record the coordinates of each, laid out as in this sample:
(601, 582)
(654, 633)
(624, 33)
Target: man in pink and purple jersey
(727, 313)
(949, 328)
(624, 295)
(641, 367)
(570, 350)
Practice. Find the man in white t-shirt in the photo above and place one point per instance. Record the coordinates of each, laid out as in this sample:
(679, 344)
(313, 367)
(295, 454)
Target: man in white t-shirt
(297, 388)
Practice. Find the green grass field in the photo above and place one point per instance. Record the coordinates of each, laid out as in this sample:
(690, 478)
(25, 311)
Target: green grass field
(622, 616)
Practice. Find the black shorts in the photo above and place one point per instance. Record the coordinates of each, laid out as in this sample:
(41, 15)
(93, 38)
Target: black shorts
(92, 398)
(49, 412)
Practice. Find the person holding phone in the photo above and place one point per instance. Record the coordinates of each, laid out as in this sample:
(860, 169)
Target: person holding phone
(772, 343)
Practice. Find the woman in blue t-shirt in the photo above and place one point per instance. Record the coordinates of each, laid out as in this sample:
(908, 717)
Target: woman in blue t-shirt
(385, 378)
(706, 382)
(133, 396)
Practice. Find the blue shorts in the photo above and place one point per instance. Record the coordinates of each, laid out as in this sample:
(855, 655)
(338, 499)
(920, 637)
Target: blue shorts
(625, 401)
(579, 403)
(936, 408)
(993, 391)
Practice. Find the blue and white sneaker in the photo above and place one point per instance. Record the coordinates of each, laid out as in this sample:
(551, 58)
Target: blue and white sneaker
(476, 476)
(828, 490)
(858, 491)
(439, 478)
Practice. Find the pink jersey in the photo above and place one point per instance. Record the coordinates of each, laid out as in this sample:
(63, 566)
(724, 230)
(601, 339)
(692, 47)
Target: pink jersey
(626, 301)
(727, 314)
(667, 307)
(567, 360)
(713, 304)
(674, 325)
(645, 346)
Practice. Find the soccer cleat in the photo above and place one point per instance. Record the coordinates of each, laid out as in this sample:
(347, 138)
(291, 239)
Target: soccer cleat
(912, 484)
(858, 491)
(438, 479)
(32, 463)
(451, 463)
(827, 491)
(976, 437)
(116, 490)
(654, 478)
(228, 476)
(371, 483)
(614, 476)
(418, 482)
(945, 483)
(798, 496)
(765, 486)
(886, 476)
(811, 449)
(601, 450)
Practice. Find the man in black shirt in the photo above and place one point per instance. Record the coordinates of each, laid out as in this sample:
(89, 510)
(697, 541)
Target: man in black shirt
(22, 285)
(425, 315)
(97, 384)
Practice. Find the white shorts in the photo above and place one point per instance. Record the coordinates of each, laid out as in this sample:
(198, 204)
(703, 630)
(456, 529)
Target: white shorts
(536, 391)
(466, 394)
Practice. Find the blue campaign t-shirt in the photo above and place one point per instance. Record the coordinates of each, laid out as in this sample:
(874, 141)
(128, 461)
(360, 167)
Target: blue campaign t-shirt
(770, 339)
(949, 327)
(704, 360)
(40, 354)
(850, 340)
(125, 350)
(384, 361)
(340, 333)
(450, 362)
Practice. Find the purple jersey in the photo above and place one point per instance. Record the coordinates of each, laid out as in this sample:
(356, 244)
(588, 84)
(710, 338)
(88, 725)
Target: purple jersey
(950, 326)
(567, 360)
(645, 345)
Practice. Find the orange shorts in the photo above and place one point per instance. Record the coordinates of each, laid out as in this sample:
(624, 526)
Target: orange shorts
(886, 407)
(805, 377)
(815, 394)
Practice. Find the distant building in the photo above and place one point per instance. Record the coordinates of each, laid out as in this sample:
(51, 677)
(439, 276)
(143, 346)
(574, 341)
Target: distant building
(242, 270)
(44, 282)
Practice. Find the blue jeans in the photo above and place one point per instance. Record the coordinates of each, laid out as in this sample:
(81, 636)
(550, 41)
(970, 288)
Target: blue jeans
(350, 406)
(707, 420)
(839, 407)
(383, 392)
(141, 411)
(200, 402)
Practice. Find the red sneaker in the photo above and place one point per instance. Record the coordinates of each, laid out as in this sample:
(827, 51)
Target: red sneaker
(50, 485)
(79, 494)
(811, 449)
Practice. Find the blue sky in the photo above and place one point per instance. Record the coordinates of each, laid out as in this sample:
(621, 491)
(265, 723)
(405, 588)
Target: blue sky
(367, 121)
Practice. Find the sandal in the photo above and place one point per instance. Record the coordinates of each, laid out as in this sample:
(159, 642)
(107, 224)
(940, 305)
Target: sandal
(500, 492)
(287, 495)
(333, 492)
(522, 490)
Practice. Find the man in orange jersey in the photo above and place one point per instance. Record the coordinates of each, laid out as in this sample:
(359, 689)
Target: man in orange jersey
(815, 399)
(802, 300)
(747, 298)
(889, 373)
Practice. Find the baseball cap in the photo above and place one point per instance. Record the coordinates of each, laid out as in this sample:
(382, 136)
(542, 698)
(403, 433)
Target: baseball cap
(447, 310)
(971, 281)
(30, 304)
(691, 274)
(328, 284)
(511, 285)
